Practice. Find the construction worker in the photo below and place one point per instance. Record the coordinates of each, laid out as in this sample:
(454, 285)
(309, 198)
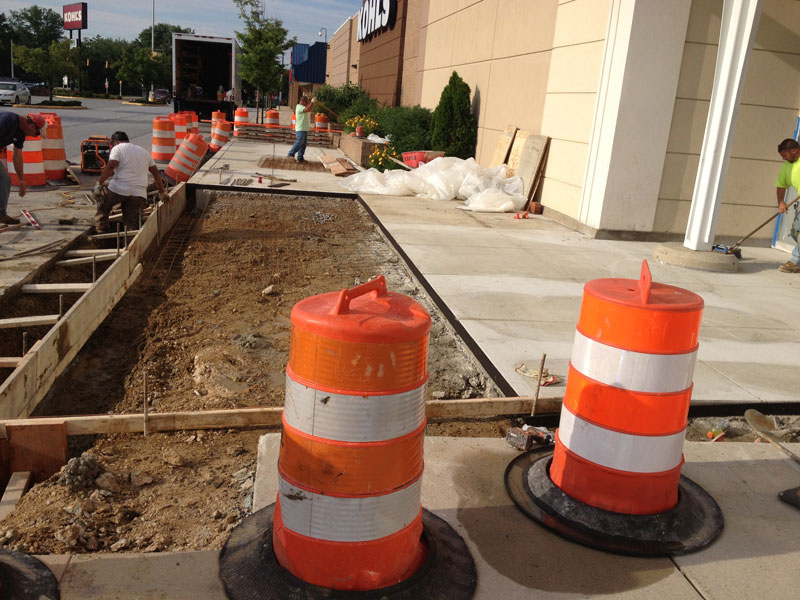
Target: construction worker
(301, 127)
(14, 129)
(127, 169)
(789, 176)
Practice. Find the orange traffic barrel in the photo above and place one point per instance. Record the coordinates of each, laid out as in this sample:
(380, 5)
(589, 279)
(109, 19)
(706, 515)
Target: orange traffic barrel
(163, 147)
(348, 515)
(272, 119)
(3, 160)
(192, 122)
(187, 158)
(55, 158)
(180, 128)
(217, 115)
(240, 117)
(321, 122)
(33, 162)
(619, 445)
(220, 134)
(294, 120)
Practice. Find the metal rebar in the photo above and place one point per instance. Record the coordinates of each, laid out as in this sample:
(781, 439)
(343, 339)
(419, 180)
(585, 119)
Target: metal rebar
(144, 390)
(60, 305)
(94, 268)
(126, 237)
(538, 385)
(117, 239)
(24, 343)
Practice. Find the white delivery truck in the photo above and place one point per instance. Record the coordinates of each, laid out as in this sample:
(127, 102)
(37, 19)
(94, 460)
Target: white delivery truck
(201, 65)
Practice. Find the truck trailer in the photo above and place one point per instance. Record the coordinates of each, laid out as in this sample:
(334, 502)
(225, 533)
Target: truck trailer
(200, 65)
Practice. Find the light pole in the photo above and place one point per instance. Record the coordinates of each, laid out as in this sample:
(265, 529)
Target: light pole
(326, 34)
(12, 57)
(153, 43)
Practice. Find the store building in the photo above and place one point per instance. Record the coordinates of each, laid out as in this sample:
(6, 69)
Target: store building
(622, 88)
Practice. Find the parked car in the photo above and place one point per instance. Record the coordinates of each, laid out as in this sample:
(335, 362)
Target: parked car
(14, 92)
(162, 96)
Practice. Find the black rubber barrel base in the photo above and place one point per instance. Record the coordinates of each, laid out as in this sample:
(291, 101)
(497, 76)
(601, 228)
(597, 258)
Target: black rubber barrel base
(694, 523)
(24, 577)
(791, 496)
(249, 570)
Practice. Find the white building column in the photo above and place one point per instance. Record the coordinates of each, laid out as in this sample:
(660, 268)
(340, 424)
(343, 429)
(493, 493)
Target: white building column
(633, 113)
(737, 32)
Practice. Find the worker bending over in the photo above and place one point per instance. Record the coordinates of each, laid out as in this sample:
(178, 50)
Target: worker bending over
(127, 169)
(14, 129)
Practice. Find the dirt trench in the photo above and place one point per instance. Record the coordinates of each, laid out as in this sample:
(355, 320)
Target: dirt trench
(208, 325)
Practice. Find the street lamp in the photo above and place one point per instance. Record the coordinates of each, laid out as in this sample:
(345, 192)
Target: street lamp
(326, 34)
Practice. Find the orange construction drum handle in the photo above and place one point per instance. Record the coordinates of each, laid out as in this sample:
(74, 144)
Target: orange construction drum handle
(645, 282)
(345, 296)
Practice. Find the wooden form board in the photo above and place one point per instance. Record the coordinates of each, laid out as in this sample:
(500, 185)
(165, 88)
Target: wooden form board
(40, 448)
(17, 485)
(34, 321)
(503, 146)
(22, 391)
(525, 158)
(268, 416)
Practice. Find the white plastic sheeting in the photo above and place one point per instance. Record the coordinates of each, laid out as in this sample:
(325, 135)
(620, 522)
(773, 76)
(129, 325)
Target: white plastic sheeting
(446, 178)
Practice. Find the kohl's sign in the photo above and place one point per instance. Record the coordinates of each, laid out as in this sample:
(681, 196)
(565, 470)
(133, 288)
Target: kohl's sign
(75, 16)
(374, 16)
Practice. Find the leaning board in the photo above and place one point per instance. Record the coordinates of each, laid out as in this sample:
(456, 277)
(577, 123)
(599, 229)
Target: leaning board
(525, 158)
(503, 146)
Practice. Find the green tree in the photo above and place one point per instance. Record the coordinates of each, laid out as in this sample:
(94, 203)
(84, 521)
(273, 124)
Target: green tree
(162, 41)
(105, 56)
(263, 41)
(137, 66)
(50, 63)
(5, 46)
(35, 27)
(454, 128)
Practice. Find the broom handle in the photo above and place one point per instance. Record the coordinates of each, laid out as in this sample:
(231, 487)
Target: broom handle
(737, 244)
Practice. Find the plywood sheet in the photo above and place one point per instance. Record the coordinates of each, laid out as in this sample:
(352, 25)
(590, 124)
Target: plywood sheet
(503, 146)
(525, 158)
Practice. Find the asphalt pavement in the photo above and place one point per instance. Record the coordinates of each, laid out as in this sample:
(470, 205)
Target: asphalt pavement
(101, 117)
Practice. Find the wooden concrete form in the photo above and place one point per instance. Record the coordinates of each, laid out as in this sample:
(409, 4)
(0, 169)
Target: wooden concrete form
(267, 416)
(357, 148)
(22, 391)
(36, 321)
(17, 485)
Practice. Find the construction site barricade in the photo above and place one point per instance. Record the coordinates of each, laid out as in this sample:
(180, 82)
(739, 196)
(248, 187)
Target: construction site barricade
(294, 120)
(163, 147)
(348, 514)
(321, 122)
(220, 134)
(192, 121)
(55, 158)
(272, 119)
(619, 446)
(180, 128)
(217, 115)
(33, 162)
(240, 117)
(187, 158)
(3, 160)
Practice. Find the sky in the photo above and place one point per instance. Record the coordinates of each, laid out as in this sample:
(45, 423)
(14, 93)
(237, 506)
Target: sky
(126, 19)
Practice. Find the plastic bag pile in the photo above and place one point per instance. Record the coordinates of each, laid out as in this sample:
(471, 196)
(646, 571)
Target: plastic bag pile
(447, 178)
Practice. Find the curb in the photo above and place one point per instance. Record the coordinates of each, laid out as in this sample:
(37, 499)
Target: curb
(40, 106)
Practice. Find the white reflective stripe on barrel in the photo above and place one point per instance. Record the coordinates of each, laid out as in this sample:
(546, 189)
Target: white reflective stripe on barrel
(338, 519)
(165, 149)
(349, 418)
(635, 371)
(621, 451)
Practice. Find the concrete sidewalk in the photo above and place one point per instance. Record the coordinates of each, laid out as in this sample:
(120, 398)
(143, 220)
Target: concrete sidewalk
(756, 556)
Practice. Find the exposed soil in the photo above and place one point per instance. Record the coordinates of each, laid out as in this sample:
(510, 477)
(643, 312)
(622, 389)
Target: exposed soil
(208, 324)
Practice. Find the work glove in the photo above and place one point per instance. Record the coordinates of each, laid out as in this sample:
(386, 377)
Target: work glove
(97, 191)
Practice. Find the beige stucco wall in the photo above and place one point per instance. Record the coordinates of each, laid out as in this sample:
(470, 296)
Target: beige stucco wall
(338, 65)
(502, 49)
(571, 95)
(769, 108)
(411, 84)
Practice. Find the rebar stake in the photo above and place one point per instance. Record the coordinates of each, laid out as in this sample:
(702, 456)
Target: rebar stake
(538, 385)
(144, 391)
(60, 305)
(94, 268)
(24, 343)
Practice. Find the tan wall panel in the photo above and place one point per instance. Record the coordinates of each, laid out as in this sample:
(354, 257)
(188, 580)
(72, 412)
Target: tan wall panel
(439, 42)
(568, 116)
(760, 129)
(704, 22)
(566, 162)
(678, 177)
(410, 81)
(462, 4)
(515, 100)
(779, 26)
(772, 79)
(672, 216)
(697, 71)
(751, 182)
(440, 9)
(487, 140)
(524, 27)
(339, 56)
(688, 126)
(561, 197)
(581, 21)
(576, 68)
(474, 32)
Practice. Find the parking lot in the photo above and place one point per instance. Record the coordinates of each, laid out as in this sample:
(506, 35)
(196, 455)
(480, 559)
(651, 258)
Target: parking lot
(101, 117)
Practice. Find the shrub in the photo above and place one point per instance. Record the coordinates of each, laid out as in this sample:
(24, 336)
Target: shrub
(341, 98)
(454, 128)
(369, 125)
(59, 103)
(409, 127)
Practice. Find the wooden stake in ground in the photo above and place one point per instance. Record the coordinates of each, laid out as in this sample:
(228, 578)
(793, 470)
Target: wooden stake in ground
(538, 385)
